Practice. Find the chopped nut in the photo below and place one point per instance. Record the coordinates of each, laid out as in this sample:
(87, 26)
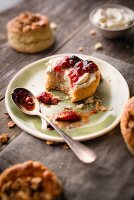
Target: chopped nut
(65, 146)
(80, 106)
(131, 124)
(26, 28)
(92, 32)
(97, 106)
(67, 97)
(80, 49)
(35, 183)
(53, 25)
(103, 108)
(49, 142)
(90, 100)
(11, 124)
(98, 46)
(4, 138)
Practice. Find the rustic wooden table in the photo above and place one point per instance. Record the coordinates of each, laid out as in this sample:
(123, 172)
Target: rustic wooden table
(72, 32)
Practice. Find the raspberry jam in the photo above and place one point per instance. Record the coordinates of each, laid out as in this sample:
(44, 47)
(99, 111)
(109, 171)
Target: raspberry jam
(47, 98)
(66, 62)
(23, 98)
(80, 68)
(68, 116)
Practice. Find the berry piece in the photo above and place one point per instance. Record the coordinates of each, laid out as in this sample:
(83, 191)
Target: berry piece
(68, 116)
(47, 98)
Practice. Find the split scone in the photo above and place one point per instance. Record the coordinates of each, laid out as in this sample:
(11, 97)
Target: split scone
(29, 181)
(30, 33)
(76, 77)
(127, 125)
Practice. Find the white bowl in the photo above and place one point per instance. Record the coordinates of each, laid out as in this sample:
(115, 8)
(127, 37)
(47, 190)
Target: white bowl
(111, 34)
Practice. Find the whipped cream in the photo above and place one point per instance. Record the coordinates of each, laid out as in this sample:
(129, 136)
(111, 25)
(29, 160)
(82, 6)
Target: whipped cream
(112, 18)
(90, 79)
(51, 64)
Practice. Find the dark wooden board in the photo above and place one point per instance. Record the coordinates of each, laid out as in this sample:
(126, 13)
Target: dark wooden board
(72, 32)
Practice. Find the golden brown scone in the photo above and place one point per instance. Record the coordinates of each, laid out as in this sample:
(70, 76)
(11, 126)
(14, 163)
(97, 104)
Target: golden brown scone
(84, 93)
(30, 33)
(29, 181)
(60, 81)
(127, 125)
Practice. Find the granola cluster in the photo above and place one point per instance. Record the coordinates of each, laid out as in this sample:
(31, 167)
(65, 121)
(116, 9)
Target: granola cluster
(27, 21)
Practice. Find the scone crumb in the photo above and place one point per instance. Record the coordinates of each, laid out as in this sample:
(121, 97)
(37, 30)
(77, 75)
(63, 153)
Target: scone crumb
(49, 142)
(11, 124)
(68, 107)
(67, 97)
(90, 100)
(53, 25)
(4, 138)
(80, 106)
(92, 32)
(103, 108)
(98, 46)
(65, 146)
(80, 49)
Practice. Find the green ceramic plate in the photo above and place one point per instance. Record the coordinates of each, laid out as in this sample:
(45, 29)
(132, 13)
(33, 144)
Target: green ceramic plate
(113, 90)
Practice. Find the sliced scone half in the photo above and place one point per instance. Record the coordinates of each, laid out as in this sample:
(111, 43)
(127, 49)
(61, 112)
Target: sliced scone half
(76, 77)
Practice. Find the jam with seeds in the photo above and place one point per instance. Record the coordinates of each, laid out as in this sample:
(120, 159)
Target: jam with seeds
(23, 98)
(68, 116)
(47, 98)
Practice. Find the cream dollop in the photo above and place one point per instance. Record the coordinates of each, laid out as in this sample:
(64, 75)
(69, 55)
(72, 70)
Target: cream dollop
(86, 82)
(112, 18)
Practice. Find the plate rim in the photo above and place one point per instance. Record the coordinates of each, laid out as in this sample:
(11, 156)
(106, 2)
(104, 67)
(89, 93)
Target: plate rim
(59, 139)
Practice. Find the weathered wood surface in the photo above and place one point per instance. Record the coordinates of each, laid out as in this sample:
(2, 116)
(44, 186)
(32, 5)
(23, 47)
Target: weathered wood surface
(72, 32)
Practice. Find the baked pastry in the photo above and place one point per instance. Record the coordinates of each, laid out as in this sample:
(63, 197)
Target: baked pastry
(127, 124)
(76, 77)
(29, 181)
(30, 33)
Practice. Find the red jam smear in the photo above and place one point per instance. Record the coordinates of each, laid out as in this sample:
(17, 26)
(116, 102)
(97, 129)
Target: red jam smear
(67, 62)
(68, 116)
(23, 98)
(47, 98)
(80, 68)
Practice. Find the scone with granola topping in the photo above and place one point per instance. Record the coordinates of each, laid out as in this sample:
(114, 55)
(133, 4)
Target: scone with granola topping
(30, 33)
(29, 181)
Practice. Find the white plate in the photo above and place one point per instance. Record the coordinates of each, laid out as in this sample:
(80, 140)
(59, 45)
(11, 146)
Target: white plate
(113, 90)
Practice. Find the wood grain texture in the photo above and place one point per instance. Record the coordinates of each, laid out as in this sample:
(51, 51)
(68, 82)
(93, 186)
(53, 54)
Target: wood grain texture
(72, 32)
